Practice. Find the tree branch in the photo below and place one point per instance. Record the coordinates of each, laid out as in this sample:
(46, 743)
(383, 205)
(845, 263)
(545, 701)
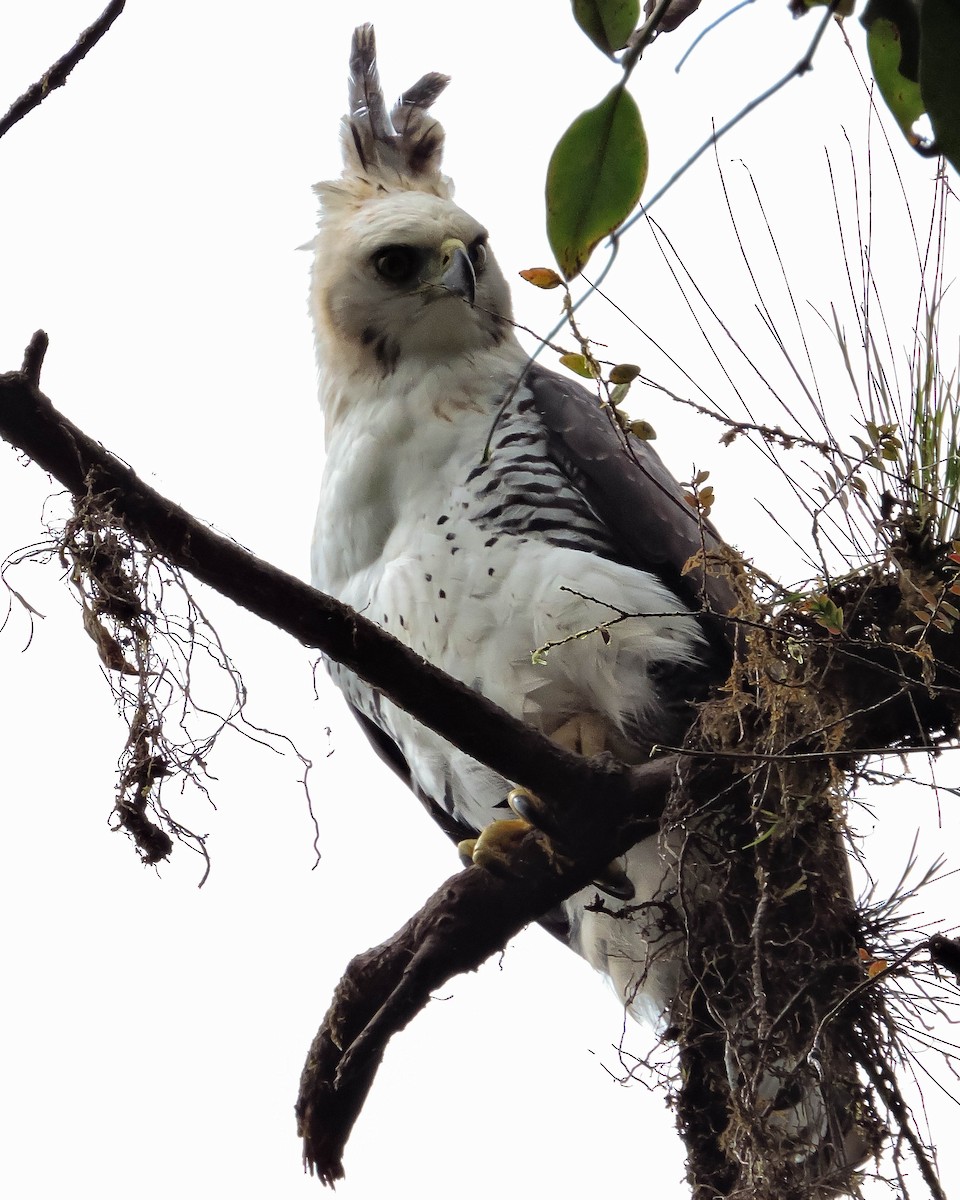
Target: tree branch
(602, 806)
(57, 75)
(29, 421)
(471, 916)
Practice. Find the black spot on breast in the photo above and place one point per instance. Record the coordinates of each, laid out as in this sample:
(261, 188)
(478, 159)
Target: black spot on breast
(454, 549)
(492, 541)
(442, 594)
(451, 537)
(489, 570)
(444, 519)
(428, 577)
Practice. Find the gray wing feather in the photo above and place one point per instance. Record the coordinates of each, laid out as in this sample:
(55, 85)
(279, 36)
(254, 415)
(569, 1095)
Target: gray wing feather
(626, 483)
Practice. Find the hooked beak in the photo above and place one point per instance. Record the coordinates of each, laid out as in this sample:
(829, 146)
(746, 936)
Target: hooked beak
(458, 278)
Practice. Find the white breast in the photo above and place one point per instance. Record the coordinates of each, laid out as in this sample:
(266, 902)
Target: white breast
(535, 627)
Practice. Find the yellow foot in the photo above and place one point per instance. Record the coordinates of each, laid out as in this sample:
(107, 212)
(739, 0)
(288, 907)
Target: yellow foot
(584, 733)
(614, 880)
(505, 847)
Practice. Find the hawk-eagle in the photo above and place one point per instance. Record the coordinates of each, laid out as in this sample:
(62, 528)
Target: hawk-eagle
(479, 507)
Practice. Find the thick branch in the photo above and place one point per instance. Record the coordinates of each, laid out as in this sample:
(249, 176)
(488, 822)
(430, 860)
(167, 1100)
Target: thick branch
(602, 806)
(471, 916)
(57, 75)
(30, 422)
(475, 913)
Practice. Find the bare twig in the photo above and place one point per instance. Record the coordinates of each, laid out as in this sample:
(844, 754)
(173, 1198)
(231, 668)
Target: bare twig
(57, 75)
(800, 68)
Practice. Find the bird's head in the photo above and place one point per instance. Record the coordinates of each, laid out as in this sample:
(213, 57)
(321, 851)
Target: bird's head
(400, 272)
(407, 275)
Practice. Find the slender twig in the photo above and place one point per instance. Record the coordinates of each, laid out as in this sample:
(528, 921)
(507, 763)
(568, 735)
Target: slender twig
(771, 433)
(708, 30)
(642, 37)
(57, 75)
(883, 1080)
(798, 69)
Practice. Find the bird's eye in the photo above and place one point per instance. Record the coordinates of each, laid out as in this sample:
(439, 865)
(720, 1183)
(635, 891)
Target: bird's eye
(478, 255)
(397, 264)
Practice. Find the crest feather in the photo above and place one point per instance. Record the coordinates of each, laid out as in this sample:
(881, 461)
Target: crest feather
(396, 149)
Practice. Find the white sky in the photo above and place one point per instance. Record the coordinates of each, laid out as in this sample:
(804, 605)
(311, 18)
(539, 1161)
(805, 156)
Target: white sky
(153, 1034)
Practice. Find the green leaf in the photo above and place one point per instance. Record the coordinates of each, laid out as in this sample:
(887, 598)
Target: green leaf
(825, 612)
(624, 373)
(595, 178)
(579, 364)
(607, 23)
(900, 93)
(643, 430)
(940, 73)
(905, 15)
(799, 886)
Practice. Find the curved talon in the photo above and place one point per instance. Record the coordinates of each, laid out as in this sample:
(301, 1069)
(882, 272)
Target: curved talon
(523, 803)
(613, 880)
(465, 849)
(530, 808)
(616, 882)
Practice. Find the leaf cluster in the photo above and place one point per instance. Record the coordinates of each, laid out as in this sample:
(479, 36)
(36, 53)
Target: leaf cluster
(599, 167)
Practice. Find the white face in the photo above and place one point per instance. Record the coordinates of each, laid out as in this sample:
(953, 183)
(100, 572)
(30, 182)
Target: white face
(379, 281)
